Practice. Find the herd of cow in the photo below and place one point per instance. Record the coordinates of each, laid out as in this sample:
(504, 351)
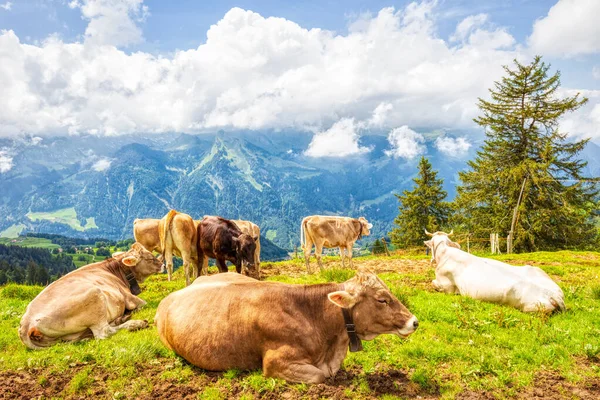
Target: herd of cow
(300, 333)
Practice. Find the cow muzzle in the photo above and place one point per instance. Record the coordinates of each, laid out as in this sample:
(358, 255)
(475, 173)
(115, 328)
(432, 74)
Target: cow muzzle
(408, 328)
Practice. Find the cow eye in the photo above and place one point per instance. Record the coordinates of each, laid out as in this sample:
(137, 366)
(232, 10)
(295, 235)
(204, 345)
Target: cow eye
(382, 301)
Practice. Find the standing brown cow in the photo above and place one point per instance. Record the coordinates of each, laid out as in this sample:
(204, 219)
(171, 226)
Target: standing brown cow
(221, 239)
(94, 301)
(300, 333)
(328, 231)
(175, 234)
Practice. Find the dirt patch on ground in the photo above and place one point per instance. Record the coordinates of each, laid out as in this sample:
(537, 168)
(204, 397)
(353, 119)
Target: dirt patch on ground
(150, 382)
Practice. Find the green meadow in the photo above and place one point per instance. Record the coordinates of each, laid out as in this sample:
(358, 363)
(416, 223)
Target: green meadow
(462, 349)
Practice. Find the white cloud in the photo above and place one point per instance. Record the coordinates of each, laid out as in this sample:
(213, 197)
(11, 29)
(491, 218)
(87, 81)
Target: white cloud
(380, 114)
(584, 123)
(467, 25)
(340, 140)
(101, 165)
(570, 28)
(7, 6)
(252, 73)
(405, 143)
(453, 147)
(6, 163)
(112, 22)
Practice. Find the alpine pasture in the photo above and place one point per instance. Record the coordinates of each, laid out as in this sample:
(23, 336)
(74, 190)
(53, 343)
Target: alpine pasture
(462, 349)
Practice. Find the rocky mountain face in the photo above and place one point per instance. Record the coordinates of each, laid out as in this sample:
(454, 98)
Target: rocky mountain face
(96, 186)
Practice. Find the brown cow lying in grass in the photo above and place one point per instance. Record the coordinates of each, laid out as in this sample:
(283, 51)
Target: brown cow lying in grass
(294, 332)
(94, 301)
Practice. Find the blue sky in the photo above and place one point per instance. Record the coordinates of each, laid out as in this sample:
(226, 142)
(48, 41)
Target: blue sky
(122, 66)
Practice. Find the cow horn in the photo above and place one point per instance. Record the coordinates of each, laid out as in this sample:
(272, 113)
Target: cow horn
(451, 232)
(427, 233)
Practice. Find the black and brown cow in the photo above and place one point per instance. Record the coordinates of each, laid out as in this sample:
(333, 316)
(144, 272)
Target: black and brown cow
(221, 239)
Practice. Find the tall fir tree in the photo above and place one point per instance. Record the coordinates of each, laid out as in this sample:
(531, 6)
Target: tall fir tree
(526, 157)
(422, 208)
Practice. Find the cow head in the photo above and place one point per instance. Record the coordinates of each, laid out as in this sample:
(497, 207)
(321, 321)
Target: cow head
(366, 226)
(437, 238)
(374, 308)
(141, 262)
(245, 249)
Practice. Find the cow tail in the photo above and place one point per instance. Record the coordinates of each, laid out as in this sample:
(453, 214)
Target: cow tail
(166, 230)
(302, 233)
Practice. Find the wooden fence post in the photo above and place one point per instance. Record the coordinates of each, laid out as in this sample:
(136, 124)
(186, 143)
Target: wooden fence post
(387, 252)
(509, 243)
(492, 243)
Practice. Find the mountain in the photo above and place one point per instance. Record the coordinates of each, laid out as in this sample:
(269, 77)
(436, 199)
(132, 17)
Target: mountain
(89, 186)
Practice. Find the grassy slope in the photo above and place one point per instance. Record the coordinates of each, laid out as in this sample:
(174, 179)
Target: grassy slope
(461, 345)
(30, 242)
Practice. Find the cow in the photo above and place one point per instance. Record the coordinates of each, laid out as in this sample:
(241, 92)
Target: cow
(175, 234)
(328, 231)
(221, 239)
(253, 230)
(300, 333)
(526, 288)
(94, 301)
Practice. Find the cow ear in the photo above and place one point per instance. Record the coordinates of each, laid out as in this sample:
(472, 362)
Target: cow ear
(427, 243)
(342, 299)
(130, 261)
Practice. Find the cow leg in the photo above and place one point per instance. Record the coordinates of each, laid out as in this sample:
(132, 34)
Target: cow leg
(343, 256)
(257, 258)
(307, 249)
(349, 250)
(318, 251)
(169, 262)
(105, 330)
(276, 364)
(195, 267)
(186, 270)
(203, 264)
(222, 265)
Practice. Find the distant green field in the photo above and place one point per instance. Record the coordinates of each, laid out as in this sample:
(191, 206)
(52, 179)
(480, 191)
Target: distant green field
(463, 348)
(12, 231)
(29, 242)
(66, 216)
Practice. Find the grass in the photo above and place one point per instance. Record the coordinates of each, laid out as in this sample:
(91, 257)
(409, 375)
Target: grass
(461, 345)
(67, 216)
(12, 231)
(29, 242)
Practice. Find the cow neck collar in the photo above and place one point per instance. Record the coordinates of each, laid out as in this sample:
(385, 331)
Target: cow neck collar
(355, 342)
(134, 287)
(125, 273)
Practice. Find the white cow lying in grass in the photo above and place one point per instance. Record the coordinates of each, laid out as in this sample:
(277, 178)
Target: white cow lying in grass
(525, 288)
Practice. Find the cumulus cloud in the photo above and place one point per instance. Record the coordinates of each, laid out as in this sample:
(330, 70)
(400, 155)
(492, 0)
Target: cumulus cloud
(340, 140)
(6, 163)
(570, 28)
(467, 25)
(453, 147)
(584, 123)
(101, 165)
(405, 143)
(251, 73)
(7, 6)
(112, 22)
(380, 114)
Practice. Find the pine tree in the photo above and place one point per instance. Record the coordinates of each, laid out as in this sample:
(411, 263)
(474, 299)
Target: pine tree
(422, 208)
(525, 151)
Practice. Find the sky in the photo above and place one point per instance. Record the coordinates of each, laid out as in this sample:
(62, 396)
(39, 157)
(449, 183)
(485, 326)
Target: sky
(336, 69)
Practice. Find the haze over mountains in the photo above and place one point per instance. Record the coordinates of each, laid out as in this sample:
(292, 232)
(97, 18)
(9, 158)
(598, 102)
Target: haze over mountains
(96, 186)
